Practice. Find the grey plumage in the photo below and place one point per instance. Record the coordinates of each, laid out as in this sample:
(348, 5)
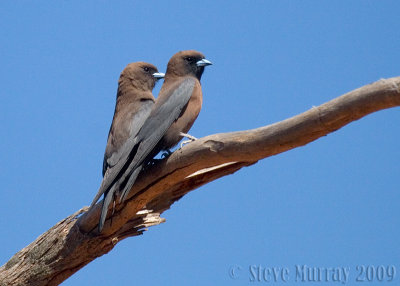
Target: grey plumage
(177, 107)
(133, 106)
(150, 127)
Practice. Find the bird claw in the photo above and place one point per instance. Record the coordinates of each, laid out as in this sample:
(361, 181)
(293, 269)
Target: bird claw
(188, 136)
(166, 154)
(186, 142)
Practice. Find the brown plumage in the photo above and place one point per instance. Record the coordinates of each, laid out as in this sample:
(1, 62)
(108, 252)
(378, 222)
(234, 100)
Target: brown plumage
(134, 92)
(133, 105)
(177, 107)
(181, 66)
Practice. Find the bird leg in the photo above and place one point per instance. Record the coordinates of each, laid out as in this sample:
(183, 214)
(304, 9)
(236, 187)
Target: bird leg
(192, 138)
(188, 136)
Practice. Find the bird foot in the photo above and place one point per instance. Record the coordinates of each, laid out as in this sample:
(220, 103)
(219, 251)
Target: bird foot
(190, 137)
(183, 143)
(166, 154)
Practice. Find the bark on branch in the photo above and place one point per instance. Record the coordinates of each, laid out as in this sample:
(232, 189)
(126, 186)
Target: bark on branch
(74, 242)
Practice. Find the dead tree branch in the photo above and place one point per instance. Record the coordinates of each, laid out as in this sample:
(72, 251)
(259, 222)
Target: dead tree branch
(74, 242)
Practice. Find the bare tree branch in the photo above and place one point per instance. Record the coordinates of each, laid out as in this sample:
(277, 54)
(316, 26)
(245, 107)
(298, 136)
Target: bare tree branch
(74, 242)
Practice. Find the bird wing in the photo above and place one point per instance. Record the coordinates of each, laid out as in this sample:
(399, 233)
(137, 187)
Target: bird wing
(113, 165)
(155, 127)
(135, 125)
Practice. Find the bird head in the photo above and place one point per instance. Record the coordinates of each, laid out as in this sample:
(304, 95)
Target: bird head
(187, 63)
(140, 75)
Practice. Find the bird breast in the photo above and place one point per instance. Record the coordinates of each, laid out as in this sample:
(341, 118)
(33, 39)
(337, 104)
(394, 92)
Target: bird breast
(185, 120)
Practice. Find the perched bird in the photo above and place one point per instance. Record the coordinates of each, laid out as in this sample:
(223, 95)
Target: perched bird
(133, 106)
(177, 107)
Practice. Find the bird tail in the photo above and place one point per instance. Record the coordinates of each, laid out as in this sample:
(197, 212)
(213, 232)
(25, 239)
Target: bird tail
(100, 192)
(132, 178)
(106, 202)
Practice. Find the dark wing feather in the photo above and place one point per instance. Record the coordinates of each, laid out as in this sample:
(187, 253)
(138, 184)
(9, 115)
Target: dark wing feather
(106, 202)
(113, 165)
(157, 124)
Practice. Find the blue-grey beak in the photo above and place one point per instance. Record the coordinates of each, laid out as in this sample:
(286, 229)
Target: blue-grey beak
(203, 63)
(159, 75)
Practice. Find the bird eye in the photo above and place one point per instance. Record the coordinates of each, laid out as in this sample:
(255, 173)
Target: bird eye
(189, 59)
(146, 69)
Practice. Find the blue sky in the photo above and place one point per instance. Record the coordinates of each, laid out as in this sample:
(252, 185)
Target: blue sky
(333, 203)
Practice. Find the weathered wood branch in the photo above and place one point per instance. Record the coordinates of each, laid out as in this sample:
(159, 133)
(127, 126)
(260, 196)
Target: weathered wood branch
(74, 242)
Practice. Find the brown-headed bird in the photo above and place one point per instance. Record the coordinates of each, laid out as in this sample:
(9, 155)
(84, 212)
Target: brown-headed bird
(133, 106)
(177, 107)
